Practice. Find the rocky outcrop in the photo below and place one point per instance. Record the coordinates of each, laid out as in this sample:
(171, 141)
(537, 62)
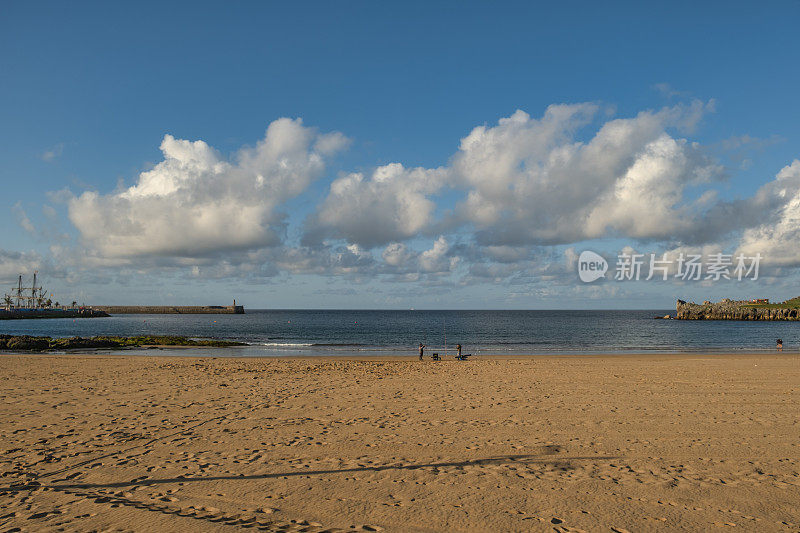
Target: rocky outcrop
(24, 343)
(733, 310)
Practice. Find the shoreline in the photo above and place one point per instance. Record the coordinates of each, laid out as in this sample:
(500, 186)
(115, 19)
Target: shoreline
(305, 333)
(172, 352)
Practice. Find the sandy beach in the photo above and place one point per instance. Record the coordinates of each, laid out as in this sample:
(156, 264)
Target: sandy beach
(542, 443)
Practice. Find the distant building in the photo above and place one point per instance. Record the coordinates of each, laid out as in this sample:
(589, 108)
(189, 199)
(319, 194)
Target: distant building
(760, 301)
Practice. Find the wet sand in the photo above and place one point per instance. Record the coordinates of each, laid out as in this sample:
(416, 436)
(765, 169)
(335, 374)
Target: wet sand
(540, 443)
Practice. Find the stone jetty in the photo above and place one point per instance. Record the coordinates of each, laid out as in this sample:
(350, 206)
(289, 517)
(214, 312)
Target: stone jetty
(170, 309)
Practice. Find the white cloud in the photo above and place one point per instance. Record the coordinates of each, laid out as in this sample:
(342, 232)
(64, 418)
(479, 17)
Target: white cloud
(777, 240)
(439, 258)
(436, 259)
(531, 182)
(667, 91)
(528, 181)
(391, 205)
(22, 218)
(12, 264)
(647, 200)
(196, 203)
(53, 153)
(397, 254)
(510, 192)
(340, 260)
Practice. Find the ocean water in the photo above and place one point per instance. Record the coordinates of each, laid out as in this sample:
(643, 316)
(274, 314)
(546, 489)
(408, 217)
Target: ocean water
(325, 332)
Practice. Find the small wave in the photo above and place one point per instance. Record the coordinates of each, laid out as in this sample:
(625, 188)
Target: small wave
(340, 344)
(286, 344)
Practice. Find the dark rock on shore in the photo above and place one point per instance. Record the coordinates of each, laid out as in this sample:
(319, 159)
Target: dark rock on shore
(27, 343)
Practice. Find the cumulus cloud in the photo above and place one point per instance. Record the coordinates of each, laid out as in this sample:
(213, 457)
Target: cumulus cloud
(531, 182)
(436, 259)
(528, 181)
(196, 203)
(777, 240)
(391, 204)
(647, 201)
(439, 258)
(397, 254)
(504, 207)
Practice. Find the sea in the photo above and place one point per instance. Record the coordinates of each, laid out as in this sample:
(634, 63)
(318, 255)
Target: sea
(270, 333)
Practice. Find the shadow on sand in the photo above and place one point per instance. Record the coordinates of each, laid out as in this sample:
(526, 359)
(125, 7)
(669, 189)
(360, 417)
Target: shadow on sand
(564, 463)
(95, 491)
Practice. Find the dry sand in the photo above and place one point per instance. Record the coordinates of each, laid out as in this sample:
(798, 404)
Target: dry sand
(602, 443)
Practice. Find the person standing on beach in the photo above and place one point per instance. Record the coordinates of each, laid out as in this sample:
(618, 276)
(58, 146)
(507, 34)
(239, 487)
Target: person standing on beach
(458, 351)
(421, 350)
(780, 345)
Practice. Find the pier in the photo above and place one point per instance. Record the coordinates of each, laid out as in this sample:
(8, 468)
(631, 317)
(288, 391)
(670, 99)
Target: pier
(33, 302)
(170, 309)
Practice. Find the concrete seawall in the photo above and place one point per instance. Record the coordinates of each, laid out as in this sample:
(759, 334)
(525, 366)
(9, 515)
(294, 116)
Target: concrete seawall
(170, 309)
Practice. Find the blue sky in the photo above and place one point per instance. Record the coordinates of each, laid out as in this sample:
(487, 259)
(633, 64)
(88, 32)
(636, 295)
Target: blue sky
(90, 90)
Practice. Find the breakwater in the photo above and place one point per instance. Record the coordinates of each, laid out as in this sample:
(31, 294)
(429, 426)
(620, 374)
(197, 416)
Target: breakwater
(21, 313)
(734, 310)
(170, 309)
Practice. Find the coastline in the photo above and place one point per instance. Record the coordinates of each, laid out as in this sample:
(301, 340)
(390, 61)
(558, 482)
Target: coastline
(279, 333)
(230, 353)
(526, 443)
(253, 352)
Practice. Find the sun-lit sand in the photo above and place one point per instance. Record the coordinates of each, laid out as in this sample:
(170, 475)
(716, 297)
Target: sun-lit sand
(594, 443)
